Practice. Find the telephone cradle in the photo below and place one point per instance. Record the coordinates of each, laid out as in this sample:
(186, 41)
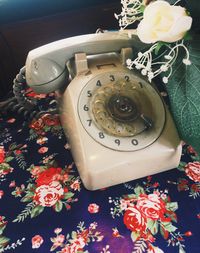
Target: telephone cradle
(117, 124)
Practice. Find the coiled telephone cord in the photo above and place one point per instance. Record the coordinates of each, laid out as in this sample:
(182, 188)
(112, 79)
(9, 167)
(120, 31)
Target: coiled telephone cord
(20, 103)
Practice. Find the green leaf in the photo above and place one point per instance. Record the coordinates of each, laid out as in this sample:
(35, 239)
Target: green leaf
(25, 213)
(184, 94)
(135, 236)
(30, 186)
(47, 128)
(142, 7)
(159, 46)
(139, 190)
(152, 226)
(172, 216)
(58, 206)
(181, 166)
(28, 197)
(3, 240)
(68, 195)
(168, 226)
(164, 232)
(74, 235)
(53, 248)
(173, 206)
(2, 229)
(8, 159)
(4, 166)
(130, 196)
(181, 249)
(196, 158)
(36, 211)
(188, 36)
(12, 146)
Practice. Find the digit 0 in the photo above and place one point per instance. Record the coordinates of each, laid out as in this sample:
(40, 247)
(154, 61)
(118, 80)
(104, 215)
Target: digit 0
(134, 142)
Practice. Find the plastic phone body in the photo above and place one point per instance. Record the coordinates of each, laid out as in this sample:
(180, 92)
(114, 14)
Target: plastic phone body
(117, 124)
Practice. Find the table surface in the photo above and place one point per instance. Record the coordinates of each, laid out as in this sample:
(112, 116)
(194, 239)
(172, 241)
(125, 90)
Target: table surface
(45, 208)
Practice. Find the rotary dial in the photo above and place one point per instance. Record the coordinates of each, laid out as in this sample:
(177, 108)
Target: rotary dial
(121, 111)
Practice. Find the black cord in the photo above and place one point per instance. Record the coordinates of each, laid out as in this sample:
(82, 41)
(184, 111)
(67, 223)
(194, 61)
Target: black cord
(19, 85)
(20, 103)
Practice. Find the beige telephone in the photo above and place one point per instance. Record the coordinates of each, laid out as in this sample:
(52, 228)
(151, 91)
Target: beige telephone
(118, 126)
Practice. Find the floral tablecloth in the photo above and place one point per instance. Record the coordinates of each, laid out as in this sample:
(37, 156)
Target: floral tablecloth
(45, 208)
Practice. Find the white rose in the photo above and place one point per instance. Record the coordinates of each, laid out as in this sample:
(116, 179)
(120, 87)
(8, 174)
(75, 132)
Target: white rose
(163, 22)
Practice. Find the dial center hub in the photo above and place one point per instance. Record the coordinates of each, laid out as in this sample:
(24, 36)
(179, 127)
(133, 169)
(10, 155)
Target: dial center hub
(122, 108)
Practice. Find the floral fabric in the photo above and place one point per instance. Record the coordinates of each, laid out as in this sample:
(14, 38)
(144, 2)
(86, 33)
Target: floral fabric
(45, 208)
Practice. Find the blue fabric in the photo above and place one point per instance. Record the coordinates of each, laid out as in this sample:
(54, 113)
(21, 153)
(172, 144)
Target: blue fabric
(45, 208)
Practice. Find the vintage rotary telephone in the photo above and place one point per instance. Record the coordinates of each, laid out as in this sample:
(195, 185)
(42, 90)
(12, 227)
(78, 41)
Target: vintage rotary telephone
(118, 125)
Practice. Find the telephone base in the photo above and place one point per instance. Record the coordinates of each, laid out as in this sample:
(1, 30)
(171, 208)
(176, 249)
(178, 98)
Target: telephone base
(100, 167)
(105, 159)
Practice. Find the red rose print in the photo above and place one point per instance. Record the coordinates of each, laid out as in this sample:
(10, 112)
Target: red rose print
(93, 208)
(51, 120)
(18, 152)
(134, 220)
(58, 230)
(42, 140)
(65, 189)
(152, 206)
(42, 150)
(2, 154)
(31, 93)
(12, 184)
(76, 245)
(58, 240)
(37, 241)
(49, 175)
(188, 233)
(116, 233)
(124, 204)
(192, 170)
(191, 150)
(195, 188)
(11, 120)
(35, 171)
(6, 169)
(1, 193)
(48, 195)
(79, 243)
(37, 124)
(75, 185)
(69, 249)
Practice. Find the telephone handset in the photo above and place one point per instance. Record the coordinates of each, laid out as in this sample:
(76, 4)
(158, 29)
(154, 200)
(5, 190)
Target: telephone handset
(46, 66)
(118, 126)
